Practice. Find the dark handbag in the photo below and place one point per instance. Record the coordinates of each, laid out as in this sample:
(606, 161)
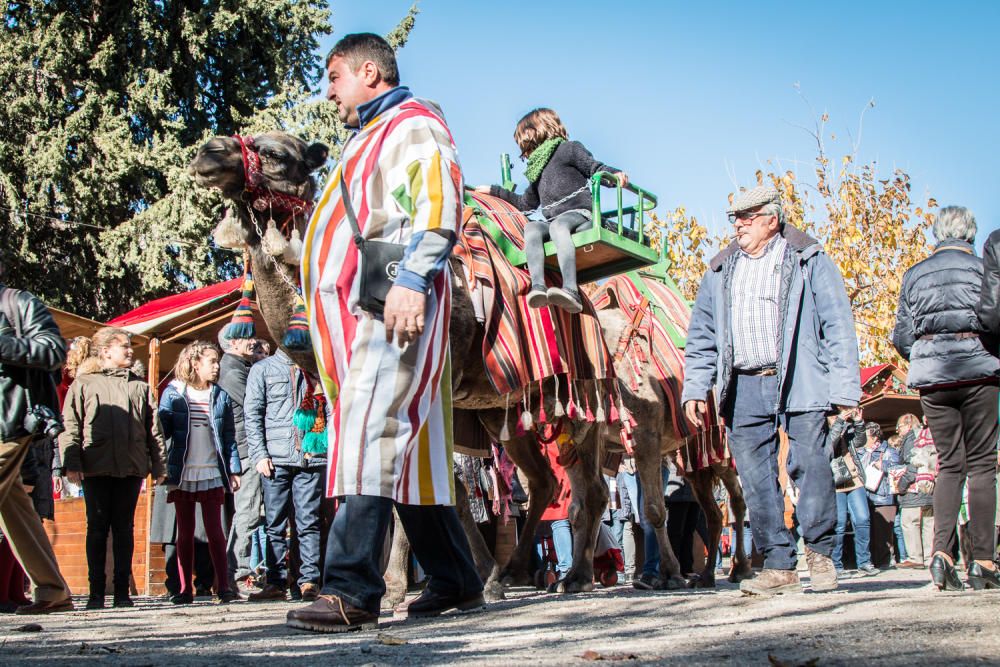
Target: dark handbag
(379, 261)
(841, 473)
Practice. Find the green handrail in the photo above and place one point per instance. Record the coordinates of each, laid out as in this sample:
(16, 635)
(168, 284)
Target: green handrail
(647, 202)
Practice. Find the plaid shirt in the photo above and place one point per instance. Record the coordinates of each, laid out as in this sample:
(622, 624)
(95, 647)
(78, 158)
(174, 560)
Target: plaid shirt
(754, 291)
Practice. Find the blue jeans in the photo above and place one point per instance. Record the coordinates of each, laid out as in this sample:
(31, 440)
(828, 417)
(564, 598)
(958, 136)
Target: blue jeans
(562, 542)
(651, 548)
(303, 488)
(752, 426)
(855, 502)
(354, 549)
(258, 547)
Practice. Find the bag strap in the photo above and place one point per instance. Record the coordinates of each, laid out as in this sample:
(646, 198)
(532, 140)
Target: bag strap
(345, 197)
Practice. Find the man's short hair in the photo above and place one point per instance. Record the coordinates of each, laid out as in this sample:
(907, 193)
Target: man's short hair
(874, 430)
(362, 47)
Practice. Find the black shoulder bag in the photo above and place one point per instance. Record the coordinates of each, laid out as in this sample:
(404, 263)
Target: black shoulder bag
(379, 261)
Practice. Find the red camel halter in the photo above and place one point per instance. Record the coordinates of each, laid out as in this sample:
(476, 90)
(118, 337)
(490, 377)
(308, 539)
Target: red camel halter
(261, 197)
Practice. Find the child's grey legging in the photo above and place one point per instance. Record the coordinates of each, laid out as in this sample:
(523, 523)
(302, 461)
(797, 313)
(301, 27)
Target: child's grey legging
(560, 230)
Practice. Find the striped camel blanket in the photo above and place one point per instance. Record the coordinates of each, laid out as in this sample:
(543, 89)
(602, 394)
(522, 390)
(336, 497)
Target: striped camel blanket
(654, 344)
(524, 346)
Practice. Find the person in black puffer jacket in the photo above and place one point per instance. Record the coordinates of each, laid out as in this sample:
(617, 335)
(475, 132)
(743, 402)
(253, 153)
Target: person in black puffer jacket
(953, 366)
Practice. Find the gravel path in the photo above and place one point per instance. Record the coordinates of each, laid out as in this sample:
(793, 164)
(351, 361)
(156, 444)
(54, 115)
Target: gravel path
(895, 618)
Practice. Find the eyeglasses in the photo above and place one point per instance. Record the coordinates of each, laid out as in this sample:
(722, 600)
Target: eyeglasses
(743, 215)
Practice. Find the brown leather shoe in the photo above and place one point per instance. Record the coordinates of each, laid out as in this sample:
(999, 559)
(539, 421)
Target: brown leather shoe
(270, 593)
(772, 582)
(331, 614)
(430, 603)
(45, 607)
(822, 573)
(309, 592)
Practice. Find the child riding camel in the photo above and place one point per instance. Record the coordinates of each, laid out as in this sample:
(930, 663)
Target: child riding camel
(558, 173)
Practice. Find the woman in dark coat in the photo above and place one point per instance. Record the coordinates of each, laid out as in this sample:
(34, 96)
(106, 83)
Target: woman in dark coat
(953, 365)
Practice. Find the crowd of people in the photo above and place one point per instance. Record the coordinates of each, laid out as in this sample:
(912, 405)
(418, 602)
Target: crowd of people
(239, 441)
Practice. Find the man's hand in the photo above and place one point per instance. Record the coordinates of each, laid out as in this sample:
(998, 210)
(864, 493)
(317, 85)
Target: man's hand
(74, 476)
(482, 189)
(693, 410)
(57, 484)
(846, 412)
(265, 468)
(404, 315)
(622, 178)
(234, 482)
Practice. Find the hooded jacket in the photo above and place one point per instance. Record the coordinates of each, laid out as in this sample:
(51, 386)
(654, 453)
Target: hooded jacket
(111, 424)
(817, 346)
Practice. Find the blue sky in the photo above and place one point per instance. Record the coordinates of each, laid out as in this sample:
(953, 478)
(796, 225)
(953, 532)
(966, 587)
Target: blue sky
(692, 98)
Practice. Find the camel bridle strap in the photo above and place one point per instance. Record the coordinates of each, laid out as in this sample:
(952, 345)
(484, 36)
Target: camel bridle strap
(261, 197)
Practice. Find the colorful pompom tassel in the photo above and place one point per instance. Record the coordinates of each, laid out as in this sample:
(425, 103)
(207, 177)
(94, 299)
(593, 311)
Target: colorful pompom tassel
(273, 243)
(304, 419)
(527, 422)
(297, 333)
(242, 325)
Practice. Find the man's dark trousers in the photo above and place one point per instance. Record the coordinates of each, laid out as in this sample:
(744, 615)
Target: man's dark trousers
(354, 548)
(302, 487)
(752, 426)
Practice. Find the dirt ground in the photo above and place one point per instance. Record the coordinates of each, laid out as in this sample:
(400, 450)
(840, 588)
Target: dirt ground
(895, 618)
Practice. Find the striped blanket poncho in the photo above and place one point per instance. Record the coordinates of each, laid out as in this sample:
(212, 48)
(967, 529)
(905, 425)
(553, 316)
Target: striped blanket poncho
(654, 345)
(524, 346)
(391, 432)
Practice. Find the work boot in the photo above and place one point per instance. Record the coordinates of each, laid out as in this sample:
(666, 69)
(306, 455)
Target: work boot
(270, 593)
(772, 582)
(45, 607)
(331, 614)
(822, 573)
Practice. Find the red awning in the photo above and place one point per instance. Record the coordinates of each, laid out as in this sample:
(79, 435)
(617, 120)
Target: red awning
(870, 372)
(146, 317)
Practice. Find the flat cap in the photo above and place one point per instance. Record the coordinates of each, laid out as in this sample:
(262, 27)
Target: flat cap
(758, 196)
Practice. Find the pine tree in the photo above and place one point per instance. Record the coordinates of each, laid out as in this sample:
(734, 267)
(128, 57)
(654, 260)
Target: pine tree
(102, 106)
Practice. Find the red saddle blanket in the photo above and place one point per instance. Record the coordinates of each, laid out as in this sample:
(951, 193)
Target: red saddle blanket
(656, 311)
(524, 345)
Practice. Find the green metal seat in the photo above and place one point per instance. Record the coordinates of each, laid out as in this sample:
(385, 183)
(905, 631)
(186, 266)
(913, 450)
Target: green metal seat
(616, 242)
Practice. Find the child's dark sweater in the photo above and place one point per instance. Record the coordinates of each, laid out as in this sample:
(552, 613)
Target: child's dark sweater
(569, 169)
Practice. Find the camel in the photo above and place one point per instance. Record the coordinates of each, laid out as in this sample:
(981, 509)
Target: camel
(285, 167)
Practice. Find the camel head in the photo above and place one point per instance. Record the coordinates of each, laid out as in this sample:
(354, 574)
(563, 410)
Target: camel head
(268, 179)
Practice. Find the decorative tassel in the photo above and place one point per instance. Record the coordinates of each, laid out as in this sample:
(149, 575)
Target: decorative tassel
(297, 333)
(590, 415)
(519, 429)
(527, 422)
(242, 325)
(571, 409)
(600, 412)
(558, 409)
(229, 233)
(614, 412)
(314, 443)
(542, 417)
(505, 430)
(273, 243)
(304, 419)
(293, 253)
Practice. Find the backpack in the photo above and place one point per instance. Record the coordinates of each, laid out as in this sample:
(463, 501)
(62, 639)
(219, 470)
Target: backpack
(925, 460)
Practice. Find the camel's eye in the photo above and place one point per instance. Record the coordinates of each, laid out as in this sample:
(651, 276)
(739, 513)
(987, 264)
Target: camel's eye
(272, 154)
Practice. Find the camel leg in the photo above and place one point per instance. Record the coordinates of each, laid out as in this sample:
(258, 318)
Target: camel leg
(486, 565)
(740, 568)
(590, 498)
(649, 463)
(395, 573)
(525, 453)
(702, 483)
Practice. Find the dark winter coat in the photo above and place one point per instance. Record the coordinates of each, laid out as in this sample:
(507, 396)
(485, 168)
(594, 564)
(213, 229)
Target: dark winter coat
(938, 329)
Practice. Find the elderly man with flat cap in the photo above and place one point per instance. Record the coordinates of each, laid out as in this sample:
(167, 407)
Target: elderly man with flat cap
(772, 332)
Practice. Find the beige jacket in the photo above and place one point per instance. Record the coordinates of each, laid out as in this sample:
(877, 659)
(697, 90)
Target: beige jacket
(112, 427)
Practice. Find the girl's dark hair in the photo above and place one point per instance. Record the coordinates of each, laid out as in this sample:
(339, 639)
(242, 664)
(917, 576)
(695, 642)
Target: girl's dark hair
(362, 47)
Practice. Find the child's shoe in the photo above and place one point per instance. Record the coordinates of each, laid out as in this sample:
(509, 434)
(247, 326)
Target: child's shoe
(568, 300)
(537, 297)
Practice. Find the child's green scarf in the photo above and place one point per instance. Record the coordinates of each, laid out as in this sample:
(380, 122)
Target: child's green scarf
(540, 157)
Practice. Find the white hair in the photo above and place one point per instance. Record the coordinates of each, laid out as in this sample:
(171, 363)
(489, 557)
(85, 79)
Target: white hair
(775, 210)
(955, 222)
(225, 343)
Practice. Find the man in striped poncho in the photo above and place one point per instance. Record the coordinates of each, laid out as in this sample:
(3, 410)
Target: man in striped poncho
(390, 439)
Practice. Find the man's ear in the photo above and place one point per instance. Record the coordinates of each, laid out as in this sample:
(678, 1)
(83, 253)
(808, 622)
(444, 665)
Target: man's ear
(316, 156)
